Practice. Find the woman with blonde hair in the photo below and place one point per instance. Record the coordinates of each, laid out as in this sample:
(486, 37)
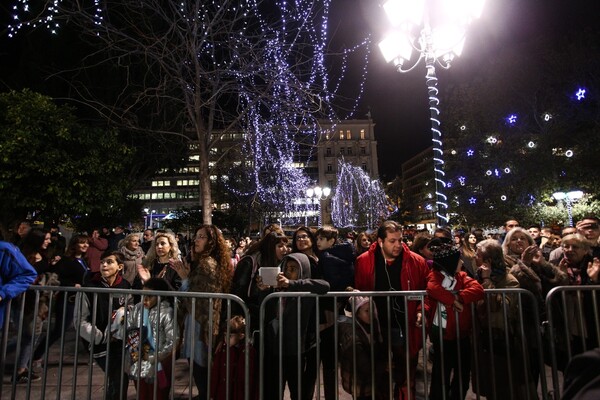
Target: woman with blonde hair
(159, 261)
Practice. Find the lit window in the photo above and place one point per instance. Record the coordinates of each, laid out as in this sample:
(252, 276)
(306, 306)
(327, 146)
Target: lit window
(213, 152)
(195, 157)
(213, 178)
(342, 135)
(348, 134)
(211, 164)
(225, 206)
(362, 134)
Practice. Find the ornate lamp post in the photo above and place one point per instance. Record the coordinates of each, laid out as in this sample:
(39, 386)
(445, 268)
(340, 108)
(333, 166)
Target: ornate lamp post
(435, 29)
(569, 198)
(317, 195)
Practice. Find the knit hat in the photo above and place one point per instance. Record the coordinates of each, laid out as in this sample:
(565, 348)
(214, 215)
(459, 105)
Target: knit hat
(445, 255)
(358, 302)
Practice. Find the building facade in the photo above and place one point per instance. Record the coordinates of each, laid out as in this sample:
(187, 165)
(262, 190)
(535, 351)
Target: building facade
(350, 140)
(418, 188)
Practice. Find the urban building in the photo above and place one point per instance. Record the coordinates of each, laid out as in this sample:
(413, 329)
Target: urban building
(418, 188)
(350, 140)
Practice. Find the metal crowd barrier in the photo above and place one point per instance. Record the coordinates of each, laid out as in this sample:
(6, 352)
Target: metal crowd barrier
(573, 326)
(504, 354)
(69, 370)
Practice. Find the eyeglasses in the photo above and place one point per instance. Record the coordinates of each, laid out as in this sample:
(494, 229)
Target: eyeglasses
(301, 237)
(200, 237)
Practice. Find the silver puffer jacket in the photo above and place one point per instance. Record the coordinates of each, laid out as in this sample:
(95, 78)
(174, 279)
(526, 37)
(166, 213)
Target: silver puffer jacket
(166, 338)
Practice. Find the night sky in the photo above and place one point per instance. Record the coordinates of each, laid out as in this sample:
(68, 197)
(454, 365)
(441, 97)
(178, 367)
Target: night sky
(398, 102)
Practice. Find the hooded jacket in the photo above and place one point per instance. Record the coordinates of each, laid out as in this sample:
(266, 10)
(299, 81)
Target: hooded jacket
(308, 312)
(413, 276)
(16, 274)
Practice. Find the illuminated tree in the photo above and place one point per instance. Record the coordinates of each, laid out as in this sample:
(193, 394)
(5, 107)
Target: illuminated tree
(359, 201)
(195, 68)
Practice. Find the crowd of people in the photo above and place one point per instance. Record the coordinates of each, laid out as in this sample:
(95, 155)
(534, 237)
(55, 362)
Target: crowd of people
(454, 267)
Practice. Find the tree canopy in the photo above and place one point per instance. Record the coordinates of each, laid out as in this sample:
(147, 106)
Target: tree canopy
(52, 165)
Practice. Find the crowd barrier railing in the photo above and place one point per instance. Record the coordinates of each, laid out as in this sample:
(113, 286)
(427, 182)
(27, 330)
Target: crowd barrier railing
(308, 342)
(573, 326)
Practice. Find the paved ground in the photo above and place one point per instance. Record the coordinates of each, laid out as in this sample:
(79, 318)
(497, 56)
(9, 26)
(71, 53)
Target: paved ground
(73, 383)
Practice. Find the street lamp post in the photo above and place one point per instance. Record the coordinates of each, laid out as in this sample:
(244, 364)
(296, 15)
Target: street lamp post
(318, 194)
(438, 36)
(569, 198)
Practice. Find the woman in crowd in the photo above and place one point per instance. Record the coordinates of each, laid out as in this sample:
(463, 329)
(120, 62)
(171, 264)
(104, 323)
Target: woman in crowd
(158, 263)
(362, 243)
(268, 252)
(241, 247)
(33, 246)
(581, 269)
(304, 241)
(495, 362)
(208, 272)
(133, 254)
(72, 270)
(419, 246)
(97, 247)
(536, 275)
(467, 254)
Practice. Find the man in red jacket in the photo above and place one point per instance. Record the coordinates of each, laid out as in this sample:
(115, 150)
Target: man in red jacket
(389, 265)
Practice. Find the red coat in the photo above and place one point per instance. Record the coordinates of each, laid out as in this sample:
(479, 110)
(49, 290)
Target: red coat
(218, 383)
(413, 276)
(469, 291)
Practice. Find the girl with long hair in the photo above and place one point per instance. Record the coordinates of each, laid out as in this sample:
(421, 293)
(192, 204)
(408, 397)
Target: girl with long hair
(208, 272)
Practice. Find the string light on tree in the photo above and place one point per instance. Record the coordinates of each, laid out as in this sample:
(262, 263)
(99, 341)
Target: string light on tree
(531, 145)
(569, 153)
(511, 119)
(547, 117)
(472, 200)
(580, 94)
(492, 140)
(470, 153)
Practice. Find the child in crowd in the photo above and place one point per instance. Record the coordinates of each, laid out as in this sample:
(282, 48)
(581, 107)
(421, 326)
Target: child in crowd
(336, 261)
(449, 295)
(355, 337)
(235, 344)
(95, 322)
(296, 277)
(150, 340)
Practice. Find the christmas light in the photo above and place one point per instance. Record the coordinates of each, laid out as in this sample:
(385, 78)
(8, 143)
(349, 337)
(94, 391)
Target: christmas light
(580, 94)
(547, 117)
(512, 119)
(359, 201)
(503, 198)
(569, 153)
(531, 145)
(492, 140)
(470, 153)
(472, 200)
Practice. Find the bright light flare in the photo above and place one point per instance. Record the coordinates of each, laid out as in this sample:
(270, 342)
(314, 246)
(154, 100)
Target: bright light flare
(396, 45)
(401, 12)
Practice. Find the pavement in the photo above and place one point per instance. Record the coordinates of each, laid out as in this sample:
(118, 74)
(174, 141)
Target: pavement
(78, 379)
